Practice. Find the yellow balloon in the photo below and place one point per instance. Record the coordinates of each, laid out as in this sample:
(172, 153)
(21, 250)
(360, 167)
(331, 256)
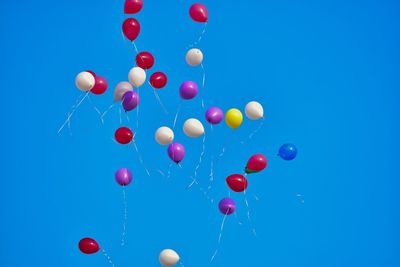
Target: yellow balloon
(234, 118)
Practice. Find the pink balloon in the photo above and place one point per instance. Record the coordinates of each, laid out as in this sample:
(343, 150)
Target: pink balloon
(131, 28)
(198, 12)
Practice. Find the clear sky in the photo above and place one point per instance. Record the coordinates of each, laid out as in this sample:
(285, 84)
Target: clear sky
(326, 72)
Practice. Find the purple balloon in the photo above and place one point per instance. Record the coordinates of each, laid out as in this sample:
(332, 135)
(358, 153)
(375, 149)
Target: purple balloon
(123, 176)
(188, 90)
(227, 206)
(130, 100)
(176, 152)
(214, 115)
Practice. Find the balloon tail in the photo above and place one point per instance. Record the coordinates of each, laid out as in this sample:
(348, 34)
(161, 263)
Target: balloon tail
(108, 257)
(96, 109)
(220, 236)
(176, 115)
(203, 83)
(140, 158)
(106, 112)
(160, 102)
(125, 218)
(248, 213)
(72, 112)
(251, 135)
(135, 47)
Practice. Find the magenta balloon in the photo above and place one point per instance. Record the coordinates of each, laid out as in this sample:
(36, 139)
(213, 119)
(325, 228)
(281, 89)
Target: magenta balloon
(214, 115)
(227, 206)
(123, 176)
(188, 90)
(176, 152)
(130, 100)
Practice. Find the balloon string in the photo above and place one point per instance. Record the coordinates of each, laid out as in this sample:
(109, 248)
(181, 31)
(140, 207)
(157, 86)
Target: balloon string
(211, 176)
(96, 109)
(201, 36)
(137, 112)
(158, 99)
(135, 47)
(108, 257)
(248, 213)
(169, 171)
(140, 158)
(181, 263)
(301, 197)
(106, 112)
(120, 115)
(203, 150)
(71, 113)
(227, 140)
(220, 236)
(125, 218)
(176, 115)
(251, 135)
(203, 82)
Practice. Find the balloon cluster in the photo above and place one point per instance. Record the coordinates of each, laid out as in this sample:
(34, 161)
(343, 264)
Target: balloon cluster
(127, 92)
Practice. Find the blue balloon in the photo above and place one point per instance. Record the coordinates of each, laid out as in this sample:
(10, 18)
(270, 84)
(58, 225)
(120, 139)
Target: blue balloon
(288, 151)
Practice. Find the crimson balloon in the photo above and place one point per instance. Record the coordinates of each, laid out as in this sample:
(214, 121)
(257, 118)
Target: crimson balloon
(198, 12)
(133, 6)
(145, 60)
(100, 85)
(158, 79)
(123, 135)
(237, 182)
(91, 72)
(256, 163)
(88, 245)
(131, 28)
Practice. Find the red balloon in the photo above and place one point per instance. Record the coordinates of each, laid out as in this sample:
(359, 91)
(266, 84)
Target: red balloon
(133, 6)
(145, 60)
(237, 182)
(256, 163)
(198, 12)
(131, 28)
(88, 245)
(158, 79)
(92, 72)
(123, 135)
(100, 85)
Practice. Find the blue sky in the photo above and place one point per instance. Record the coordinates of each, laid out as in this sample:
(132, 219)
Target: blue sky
(326, 73)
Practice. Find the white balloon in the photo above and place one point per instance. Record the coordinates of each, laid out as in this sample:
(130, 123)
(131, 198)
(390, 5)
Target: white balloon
(254, 110)
(168, 258)
(193, 128)
(164, 135)
(85, 81)
(137, 76)
(194, 57)
(121, 89)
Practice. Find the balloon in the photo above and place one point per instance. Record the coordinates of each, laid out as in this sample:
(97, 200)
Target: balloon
(188, 90)
(91, 72)
(234, 118)
(227, 206)
(88, 245)
(194, 57)
(168, 258)
(100, 85)
(137, 76)
(198, 12)
(237, 182)
(133, 6)
(145, 60)
(123, 135)
(158, 80)
(130, 100)
(254, 110)
(288, 151)
(131, 28)
(176, 152)
(85, 81)
(121, 89)
(164, 135)
(214, 115)
(123, 176)
(193, 128)
(256, 163)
